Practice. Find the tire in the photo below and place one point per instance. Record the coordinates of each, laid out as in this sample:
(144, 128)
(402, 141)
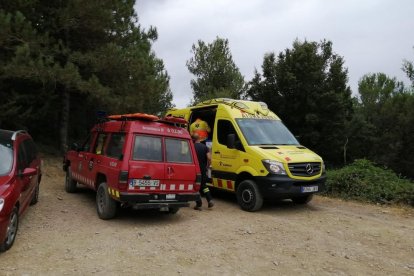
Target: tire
(35, 197)
(70, 183)
(105, 205)
(12, 227)
(248, 196)
(173, 210)
(302, 199)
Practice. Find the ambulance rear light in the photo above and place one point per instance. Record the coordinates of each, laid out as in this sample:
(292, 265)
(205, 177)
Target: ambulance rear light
(123, 180)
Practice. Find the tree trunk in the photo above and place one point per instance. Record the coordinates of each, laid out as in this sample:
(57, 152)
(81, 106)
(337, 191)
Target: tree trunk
(64, 123)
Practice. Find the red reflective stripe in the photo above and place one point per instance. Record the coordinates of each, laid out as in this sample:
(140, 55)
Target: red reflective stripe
(229, 185)
(219, 183)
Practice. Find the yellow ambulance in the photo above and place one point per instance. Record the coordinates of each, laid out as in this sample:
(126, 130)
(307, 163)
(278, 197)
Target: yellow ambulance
(254, 155)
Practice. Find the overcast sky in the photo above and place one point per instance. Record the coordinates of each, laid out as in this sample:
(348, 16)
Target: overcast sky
(372, 35)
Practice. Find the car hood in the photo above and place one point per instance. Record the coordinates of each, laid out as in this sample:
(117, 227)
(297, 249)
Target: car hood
(287, 154)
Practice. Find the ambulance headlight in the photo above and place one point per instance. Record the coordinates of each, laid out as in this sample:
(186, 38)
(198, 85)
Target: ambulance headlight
(274, 167)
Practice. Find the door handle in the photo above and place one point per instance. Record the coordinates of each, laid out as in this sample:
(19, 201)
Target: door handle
(216, 152)
(147, 177)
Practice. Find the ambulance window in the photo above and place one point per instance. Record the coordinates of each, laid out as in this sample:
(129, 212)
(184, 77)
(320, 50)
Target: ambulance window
(115, 145)
(225, 128)
(147, 148)
(178, 151)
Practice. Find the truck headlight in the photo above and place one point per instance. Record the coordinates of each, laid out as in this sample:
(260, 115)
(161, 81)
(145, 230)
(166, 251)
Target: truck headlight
(1, 203)
(274, 167)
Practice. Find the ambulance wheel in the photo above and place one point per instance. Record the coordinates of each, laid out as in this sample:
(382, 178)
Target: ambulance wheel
(248, 196)
(11, 232)
(105, 204)
(173, 210)
(302, 199)
(70, 183)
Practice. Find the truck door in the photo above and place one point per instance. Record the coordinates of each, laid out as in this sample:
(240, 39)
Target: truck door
(180, 170)
(146, 170)
(225, 161)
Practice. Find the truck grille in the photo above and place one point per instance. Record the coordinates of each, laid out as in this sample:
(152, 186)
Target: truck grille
(305, 169)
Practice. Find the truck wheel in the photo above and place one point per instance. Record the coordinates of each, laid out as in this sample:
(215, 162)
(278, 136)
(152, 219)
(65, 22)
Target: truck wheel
(12, 227)
(249, 196)
(70, 183)
(105, 204)
(35, 197)
(173, 210)
(302, 199)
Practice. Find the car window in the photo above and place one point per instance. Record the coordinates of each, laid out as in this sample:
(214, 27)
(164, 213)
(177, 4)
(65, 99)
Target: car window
(225, 128)
(30, 149)
(147, 148)
(6, 157)
(178, 150)
(100, 143)
(22, 161)
(86, 146)
(115, 145)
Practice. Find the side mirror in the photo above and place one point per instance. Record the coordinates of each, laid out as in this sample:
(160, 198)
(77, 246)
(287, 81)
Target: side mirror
(74, 146)
(231, 141)
(28, 172)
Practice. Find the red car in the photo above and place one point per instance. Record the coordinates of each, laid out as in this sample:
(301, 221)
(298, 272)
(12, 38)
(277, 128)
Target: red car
(20, 174)
(136, 160)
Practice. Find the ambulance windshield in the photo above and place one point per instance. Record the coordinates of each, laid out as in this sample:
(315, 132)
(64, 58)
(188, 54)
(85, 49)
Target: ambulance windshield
(266, 132)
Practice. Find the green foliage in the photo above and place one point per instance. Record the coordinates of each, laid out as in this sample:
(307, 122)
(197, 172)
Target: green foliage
(60, 61)
(307, 87)
(364, 181)
(383, 124)
(217, 76)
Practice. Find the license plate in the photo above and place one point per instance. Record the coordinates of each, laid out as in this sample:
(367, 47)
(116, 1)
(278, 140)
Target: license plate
(309, 189)
(170, 196)
(146, 183)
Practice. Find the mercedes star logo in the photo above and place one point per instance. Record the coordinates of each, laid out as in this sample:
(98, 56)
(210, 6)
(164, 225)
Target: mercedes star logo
(309, 169)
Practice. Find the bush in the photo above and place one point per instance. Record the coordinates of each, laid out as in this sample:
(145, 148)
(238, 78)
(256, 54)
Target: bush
(362, 180)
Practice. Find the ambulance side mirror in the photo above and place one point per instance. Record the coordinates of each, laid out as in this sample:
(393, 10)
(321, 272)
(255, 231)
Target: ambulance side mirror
(231, 141)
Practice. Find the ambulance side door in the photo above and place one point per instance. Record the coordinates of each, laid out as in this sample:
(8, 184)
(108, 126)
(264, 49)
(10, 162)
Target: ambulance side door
(225, 161)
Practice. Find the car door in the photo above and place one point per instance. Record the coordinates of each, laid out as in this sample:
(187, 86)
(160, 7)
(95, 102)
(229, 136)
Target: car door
(81, 165)
(180, 169)
(146, 167)
(225, 161)
(24, 183)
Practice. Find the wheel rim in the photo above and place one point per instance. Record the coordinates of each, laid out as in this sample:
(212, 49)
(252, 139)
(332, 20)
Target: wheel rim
(247, 196)
(12, 228)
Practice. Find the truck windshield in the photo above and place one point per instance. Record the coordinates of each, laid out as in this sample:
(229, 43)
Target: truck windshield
(6, 157)
(266, 132)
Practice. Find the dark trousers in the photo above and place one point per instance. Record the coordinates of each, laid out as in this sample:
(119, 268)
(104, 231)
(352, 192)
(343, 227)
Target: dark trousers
(204, 190)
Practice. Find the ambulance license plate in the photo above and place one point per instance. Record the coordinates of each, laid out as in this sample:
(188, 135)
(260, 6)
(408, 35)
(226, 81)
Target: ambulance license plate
(146, 183)
(170, 196)
(309, 189)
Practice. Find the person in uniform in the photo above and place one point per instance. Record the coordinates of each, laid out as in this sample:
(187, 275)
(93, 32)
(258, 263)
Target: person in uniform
(204, 159)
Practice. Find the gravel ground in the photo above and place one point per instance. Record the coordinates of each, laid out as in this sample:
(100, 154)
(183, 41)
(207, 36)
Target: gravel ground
(62, 235)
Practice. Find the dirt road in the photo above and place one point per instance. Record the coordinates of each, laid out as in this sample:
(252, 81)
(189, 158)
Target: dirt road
(62, 235)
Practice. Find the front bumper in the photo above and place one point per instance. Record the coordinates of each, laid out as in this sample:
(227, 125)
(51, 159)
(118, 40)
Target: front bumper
(278, 186)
